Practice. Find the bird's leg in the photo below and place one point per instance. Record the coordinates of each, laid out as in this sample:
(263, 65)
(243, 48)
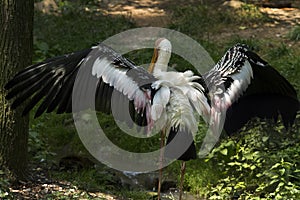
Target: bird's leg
(182, 169)
(161, 157)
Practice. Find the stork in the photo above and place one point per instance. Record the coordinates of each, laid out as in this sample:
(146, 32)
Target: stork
(241, 84)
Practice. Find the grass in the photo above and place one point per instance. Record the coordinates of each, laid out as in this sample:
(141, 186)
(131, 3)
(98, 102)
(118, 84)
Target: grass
(201, 21)
(295, 33)
(76, 28)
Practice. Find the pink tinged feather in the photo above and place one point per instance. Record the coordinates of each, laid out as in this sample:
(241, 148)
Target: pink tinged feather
(159, 103)
(150, 121)
(227, 102)
(156, 111)
(117, 78)
(241, 80)
(214, 131)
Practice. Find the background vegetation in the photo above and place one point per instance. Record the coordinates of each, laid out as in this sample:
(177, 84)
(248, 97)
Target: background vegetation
(262, 161)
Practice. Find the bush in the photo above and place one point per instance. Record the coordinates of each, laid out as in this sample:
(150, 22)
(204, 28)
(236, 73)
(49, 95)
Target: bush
(262, 164)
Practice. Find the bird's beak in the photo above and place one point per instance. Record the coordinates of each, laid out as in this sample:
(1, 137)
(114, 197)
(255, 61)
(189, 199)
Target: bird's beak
(153, 61)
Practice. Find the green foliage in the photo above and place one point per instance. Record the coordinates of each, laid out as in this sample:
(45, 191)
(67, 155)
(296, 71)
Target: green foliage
(257, 165)
(57, 130)
(279, 51)
(42, 51)
(38, 148)
(249, 13)
(124, 140)
(4, 185)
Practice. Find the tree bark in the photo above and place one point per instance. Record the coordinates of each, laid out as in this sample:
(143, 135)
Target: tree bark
(16, 22)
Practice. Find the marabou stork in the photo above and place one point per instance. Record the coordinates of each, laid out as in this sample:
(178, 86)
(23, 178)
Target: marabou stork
(241, 83)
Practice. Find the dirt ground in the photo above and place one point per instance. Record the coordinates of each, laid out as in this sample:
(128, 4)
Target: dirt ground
(158, 13)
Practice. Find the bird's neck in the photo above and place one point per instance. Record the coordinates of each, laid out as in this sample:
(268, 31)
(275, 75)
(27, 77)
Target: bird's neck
(162, 62)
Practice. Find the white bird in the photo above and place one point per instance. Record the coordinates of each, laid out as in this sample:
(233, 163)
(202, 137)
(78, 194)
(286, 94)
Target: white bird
(241, 84)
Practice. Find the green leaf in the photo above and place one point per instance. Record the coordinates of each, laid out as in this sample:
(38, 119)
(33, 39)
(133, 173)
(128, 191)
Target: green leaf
(282, 171)
(265, 138)
(253, 167)
(246, 165)
(43, 46)
(234, 163)
(224, 152)
(249, 156)
(276, 165)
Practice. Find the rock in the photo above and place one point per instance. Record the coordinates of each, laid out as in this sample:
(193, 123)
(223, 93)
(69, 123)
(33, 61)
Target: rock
(74, 162)
(273, 3)
(277, 4)
(233, 4)
(46, 6)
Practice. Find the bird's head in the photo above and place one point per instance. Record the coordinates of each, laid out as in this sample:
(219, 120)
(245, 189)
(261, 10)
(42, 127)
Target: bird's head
(161, 55)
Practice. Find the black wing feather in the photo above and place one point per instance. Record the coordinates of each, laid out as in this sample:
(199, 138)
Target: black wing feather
(39, 95)
(267, 96)
(29, 91)
(52, 82)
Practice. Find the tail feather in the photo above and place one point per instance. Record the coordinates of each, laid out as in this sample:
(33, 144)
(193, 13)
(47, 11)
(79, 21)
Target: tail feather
(183, 138)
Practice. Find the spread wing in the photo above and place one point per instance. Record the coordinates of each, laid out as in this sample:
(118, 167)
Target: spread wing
(248, 87)
(101, 77)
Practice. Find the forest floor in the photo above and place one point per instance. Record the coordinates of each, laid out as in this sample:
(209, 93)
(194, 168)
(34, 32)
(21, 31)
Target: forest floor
(154, 13)
(158, 13)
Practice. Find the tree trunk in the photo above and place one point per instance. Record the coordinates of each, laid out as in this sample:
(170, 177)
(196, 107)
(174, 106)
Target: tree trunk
(16, 22)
